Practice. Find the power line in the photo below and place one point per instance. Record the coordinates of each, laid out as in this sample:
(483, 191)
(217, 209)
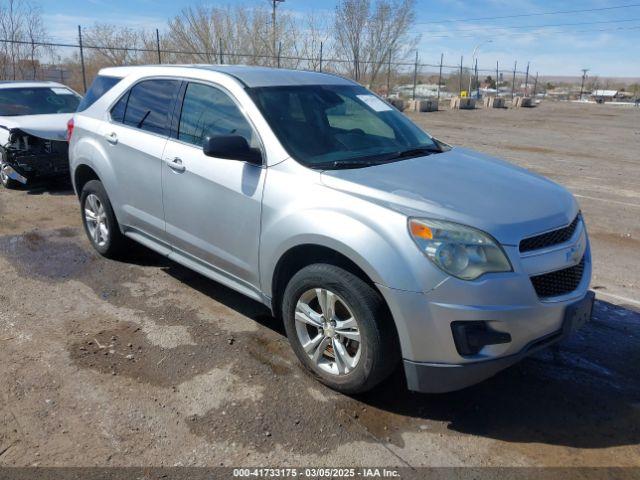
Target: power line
(550, 25)
(557, 12)
(539, 33)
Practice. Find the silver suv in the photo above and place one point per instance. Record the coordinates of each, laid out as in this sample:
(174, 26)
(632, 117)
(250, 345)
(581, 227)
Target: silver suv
(373, 241)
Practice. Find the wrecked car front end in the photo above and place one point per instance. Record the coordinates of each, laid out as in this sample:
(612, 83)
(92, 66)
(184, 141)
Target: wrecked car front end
(33, 128)
(27, 158)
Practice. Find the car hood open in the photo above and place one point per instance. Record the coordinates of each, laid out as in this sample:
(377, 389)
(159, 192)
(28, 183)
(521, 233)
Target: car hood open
(49, 127)
(463, 186)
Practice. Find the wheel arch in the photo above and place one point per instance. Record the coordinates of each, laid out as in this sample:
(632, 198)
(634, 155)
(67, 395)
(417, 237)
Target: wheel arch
(299, 256)
(82, 174)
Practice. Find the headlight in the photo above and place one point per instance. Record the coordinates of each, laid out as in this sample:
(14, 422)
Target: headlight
(461, 251)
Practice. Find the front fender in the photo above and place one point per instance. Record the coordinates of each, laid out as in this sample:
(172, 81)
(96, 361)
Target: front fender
(388, 259)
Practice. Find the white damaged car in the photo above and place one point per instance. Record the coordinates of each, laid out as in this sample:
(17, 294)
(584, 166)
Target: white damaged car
(33, 130)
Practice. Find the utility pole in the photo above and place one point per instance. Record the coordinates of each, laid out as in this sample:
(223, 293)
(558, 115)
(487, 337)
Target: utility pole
(513, 81)
(415, 76)
(158, 46)
(84, 72)
(440, 75)
(477, 82)
(474, 59)
(460, 79)
(584, 77)
(274, 3)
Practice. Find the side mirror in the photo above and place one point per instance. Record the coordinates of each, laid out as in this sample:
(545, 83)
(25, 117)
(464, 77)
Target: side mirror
(231, 147)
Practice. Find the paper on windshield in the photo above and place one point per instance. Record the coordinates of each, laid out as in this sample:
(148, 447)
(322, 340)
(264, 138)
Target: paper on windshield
(61, 91)
(375, 103)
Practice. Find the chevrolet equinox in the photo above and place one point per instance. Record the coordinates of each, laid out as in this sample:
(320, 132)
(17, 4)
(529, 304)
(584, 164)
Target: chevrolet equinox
(373, 241)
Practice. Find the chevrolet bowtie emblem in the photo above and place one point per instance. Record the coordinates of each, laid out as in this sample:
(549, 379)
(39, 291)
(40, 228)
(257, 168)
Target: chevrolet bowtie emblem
(573, 255)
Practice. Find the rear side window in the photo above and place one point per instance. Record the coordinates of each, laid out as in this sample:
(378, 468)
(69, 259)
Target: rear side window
(101, 85)
(149, 105)
(117, 112)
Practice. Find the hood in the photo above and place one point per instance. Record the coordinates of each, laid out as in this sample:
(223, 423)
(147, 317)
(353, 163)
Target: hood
(463, 186)
(49, 127)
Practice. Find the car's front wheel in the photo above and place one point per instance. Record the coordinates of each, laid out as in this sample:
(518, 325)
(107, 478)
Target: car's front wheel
(99, 221)
(5, 180)
(339, 328)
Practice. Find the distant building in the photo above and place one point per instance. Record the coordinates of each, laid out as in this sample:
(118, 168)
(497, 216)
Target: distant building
(602, 96)
(55, 73)
(423, 90)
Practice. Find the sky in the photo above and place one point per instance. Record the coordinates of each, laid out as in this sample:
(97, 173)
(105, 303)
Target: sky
(605, 40)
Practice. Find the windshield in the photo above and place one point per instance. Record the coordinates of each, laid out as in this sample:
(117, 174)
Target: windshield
(340, 126)
(37, 101)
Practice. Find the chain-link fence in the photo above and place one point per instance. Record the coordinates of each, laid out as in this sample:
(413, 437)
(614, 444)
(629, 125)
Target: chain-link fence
(76, 64)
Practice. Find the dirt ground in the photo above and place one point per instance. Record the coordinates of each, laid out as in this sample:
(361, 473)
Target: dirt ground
(142, 362)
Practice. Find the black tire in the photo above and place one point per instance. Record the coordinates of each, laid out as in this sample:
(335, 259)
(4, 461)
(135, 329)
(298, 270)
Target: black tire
(115, 244)
(380, 352)
(8, 183)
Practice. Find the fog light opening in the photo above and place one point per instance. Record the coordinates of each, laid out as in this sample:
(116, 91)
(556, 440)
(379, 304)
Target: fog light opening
(471, 337)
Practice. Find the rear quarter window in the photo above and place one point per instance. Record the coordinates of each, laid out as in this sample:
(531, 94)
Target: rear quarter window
(101, 85)
(150, 104)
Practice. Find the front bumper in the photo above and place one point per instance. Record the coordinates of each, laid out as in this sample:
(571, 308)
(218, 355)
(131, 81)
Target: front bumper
(442, 378)
(504, 302)
(25, 168)
(13, 175)
(28, 158)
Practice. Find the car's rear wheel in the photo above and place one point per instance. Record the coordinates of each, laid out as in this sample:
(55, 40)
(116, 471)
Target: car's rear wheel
(99, 221)
(339, 328)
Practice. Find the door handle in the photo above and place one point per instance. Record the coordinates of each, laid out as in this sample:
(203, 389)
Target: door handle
(112, 138)
(176, 165)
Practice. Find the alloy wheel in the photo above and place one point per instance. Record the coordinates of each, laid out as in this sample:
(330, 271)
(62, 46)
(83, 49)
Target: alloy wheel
(328, 331)
(4, 177)
(96, 219)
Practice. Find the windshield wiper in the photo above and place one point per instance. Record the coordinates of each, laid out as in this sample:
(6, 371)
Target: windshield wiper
(414, 152)
(376, 160)
(338, 164)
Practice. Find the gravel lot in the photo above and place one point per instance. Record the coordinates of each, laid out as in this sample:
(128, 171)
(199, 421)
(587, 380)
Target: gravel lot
(142, 362)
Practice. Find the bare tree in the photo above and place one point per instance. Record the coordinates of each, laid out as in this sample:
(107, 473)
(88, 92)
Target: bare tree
(36, 34)
(109, 45)
(21, 24)
(592, 83)
(350, 28)
(194, 30)
(369, 34)
(112, 45)
(316, 34)
(233, 35)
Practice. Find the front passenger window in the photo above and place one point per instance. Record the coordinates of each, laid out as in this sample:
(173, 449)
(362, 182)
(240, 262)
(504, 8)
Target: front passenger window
(209, 111)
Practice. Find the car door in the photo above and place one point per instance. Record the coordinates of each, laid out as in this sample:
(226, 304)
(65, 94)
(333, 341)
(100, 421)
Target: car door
(135, 139)
(213, 205)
